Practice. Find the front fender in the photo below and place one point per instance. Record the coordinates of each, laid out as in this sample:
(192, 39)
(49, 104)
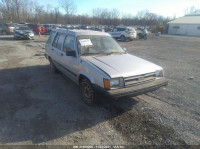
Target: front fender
(88, 76)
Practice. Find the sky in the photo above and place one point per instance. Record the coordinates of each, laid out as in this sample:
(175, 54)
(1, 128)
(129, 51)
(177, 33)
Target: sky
(166, 8)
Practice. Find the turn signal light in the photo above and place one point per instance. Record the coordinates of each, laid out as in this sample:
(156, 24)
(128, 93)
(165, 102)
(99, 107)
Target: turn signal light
(106, 84)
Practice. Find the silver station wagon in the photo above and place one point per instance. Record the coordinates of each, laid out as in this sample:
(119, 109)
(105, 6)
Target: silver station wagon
(98, 64)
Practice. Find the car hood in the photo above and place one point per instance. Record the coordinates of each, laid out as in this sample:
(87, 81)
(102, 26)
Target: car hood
(24, 31)
(123, 65)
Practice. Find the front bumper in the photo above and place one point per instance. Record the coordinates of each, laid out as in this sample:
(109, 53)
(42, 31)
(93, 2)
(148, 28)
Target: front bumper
(24, 37)
(136, 90)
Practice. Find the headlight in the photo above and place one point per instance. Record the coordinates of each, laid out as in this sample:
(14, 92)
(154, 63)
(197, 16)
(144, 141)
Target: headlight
(114, 83)
(159, 73)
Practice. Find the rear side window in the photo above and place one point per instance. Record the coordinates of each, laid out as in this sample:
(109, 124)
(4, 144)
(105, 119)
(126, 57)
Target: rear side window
(55, 40)
(51, 37)
(69, 43)
(60, 41)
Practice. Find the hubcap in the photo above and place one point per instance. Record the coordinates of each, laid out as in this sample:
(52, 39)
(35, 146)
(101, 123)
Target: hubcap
(87, 92)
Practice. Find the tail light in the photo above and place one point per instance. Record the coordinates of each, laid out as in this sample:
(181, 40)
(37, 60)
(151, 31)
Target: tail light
(9, 28)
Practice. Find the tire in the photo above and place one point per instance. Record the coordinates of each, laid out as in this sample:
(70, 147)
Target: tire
(122, 38)
(87, 92)
(52, 66)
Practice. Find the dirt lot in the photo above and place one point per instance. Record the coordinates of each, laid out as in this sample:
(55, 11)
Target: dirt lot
(40, 107)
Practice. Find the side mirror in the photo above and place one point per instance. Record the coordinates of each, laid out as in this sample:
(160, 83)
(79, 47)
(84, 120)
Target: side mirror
(71, 53)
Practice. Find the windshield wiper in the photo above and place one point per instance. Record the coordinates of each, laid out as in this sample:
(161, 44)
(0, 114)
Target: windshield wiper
(115, 53)
(90, 53)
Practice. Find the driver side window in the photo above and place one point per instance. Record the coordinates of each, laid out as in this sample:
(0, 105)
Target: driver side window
(69, 43)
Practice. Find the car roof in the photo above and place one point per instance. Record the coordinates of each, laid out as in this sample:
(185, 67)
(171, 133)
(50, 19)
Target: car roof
(81, 32)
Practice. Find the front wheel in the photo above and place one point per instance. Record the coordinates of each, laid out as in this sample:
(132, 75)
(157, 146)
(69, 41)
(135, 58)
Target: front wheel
(87, 92)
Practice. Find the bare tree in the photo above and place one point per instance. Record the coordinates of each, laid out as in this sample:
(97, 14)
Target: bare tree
(6, 8)
(17, 4)
(32, 12)
(69, 7)
(57, 13)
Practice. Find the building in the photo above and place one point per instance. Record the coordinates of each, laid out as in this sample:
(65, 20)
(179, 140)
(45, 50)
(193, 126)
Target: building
(187, 25)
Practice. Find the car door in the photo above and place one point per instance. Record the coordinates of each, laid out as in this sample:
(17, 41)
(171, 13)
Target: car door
(70, 63)
(121, 31)
(114, 33)
(57, 52)
(48, 46)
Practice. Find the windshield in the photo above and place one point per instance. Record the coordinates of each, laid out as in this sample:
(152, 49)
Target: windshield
(94, 44)
(22, 28)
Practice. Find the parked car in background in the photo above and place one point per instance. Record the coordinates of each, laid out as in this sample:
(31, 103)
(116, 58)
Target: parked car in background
(48, 27)
(6, 28)
(123, 33)
(76, 27)
(98, 64)
(36, 28)
(23, 32)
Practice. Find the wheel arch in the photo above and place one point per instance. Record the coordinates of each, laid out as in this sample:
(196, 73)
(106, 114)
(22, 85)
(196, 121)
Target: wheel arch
(86, 76)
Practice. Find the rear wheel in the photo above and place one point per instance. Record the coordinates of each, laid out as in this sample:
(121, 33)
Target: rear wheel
(87, 92)
(122, 38)
(53, 67)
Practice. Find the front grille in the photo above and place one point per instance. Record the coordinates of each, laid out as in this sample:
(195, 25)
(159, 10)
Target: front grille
(140, 79)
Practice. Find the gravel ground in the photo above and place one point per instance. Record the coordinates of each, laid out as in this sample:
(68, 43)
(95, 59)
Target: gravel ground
(39, 107)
